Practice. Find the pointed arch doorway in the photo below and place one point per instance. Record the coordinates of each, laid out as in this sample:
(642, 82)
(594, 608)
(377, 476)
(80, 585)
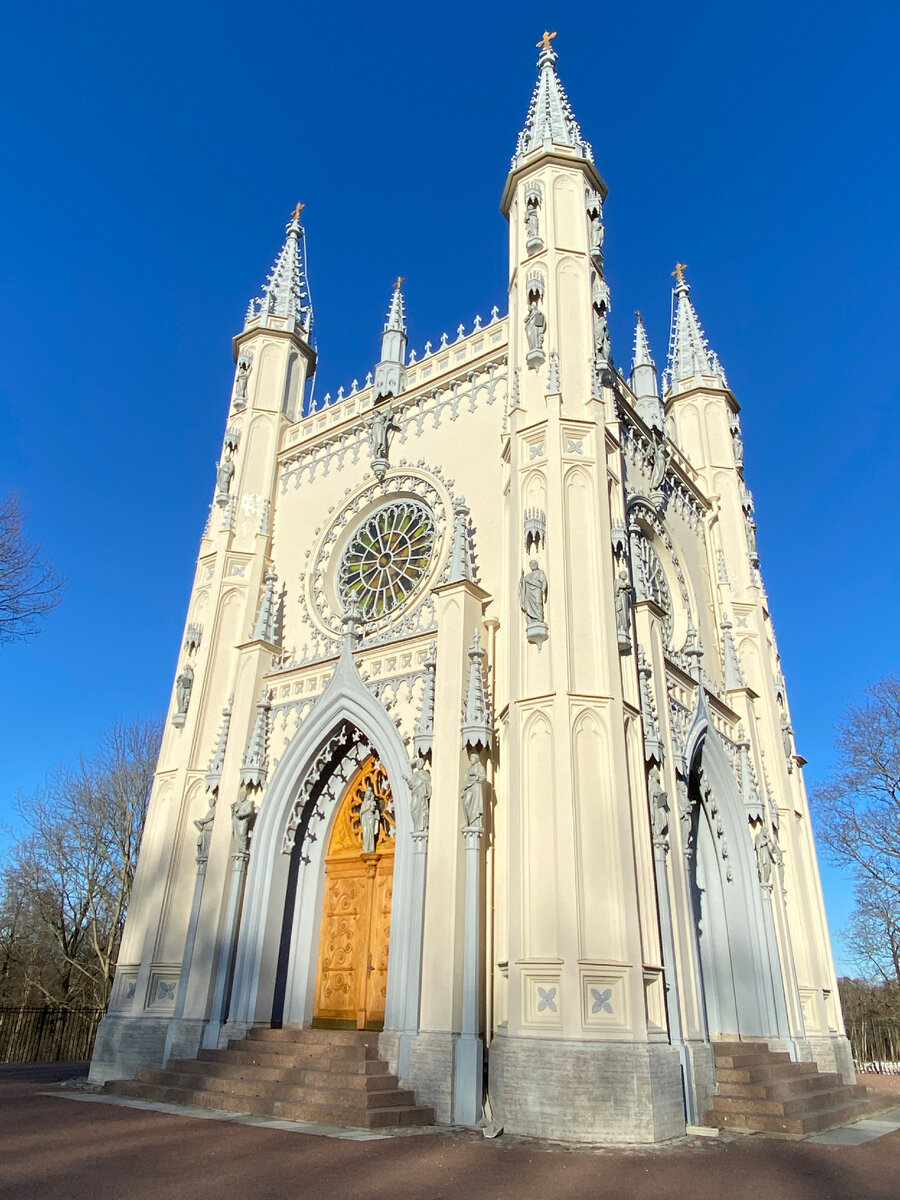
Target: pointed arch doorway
(354, 938)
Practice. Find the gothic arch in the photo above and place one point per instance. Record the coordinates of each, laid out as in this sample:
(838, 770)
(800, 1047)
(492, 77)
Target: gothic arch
(743, 985)
(346, 701)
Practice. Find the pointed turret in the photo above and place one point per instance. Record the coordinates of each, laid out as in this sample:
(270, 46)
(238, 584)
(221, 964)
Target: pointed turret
(217, 762)
(689, 355)
(285, 295)
(643, 379)
(255, 761)
(390, 373)
(550, 122)
(476, 723)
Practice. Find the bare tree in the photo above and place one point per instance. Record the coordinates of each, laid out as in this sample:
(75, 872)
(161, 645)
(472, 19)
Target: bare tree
(66, 888)
(29, 586)
(858, 814)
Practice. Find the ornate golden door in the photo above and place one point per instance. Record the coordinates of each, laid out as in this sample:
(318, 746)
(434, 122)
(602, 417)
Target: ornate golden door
(351, 980)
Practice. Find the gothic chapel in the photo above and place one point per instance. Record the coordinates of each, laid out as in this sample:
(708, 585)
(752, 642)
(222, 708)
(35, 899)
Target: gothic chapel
(478, 799)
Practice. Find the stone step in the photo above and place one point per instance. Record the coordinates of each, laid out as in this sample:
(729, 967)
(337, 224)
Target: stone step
(356, 1117)
(358, 1051)
(791, 1106)
(798, 1125)
(389, 1097)
(765, 1074)
(781, 1088)
(303, 1062)
(300, 1076)
(751, 1058)
(314, 1037)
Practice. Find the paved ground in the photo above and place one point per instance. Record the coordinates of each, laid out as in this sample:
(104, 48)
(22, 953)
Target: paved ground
(52, 1148)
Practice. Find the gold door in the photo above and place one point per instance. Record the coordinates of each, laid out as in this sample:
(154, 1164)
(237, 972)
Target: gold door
(351, 980)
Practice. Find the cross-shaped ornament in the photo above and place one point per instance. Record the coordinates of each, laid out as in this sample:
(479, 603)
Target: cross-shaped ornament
(397, 282)
(295, 215)
(544, 43)
(679, 271)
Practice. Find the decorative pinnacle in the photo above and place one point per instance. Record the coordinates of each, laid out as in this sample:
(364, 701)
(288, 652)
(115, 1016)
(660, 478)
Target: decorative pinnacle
(286, 291)
(689, 353)
(476, 726)
(550, 120)
(255, 762)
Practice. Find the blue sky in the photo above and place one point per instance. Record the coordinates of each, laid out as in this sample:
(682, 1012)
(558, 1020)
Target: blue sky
(151, 157)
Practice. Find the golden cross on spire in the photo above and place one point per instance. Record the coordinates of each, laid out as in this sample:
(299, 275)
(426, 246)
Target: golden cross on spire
(295, 215)
(679, 271)
(637, 313)
(544, 43)
(400, 279)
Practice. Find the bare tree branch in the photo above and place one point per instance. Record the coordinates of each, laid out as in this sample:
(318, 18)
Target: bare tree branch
(29, 586)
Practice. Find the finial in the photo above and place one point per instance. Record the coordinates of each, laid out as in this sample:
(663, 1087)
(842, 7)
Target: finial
(544, 43)
(295, 215)
(401, 279)
(679, 271)
(637, 313)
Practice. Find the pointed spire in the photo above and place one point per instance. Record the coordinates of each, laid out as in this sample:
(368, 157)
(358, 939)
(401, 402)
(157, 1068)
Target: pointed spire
(749, 787)
(286, 291)
(550, 121)
(643, 379)
(390, 373)
(476, 724)
(217, 762)
(424, 735)
(462, 558)
(264, 629)
(653, 748)
(255, 762)
(689, 355)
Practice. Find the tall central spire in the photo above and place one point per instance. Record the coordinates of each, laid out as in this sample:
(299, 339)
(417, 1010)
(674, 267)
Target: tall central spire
(286, 291)
(550, 121)
(390, 372)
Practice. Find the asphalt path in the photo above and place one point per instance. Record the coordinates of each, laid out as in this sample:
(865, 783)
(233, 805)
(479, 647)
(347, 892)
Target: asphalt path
(56, 1148)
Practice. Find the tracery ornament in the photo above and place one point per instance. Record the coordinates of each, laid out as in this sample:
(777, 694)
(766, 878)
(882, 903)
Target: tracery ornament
(380, 550)
(386, 558)
(653, 585)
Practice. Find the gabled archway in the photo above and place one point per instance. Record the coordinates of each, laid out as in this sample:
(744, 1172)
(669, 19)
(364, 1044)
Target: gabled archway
(346, 704)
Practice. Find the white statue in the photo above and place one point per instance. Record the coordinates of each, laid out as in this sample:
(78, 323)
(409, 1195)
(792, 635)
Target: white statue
(183, 685)
(369, 818)
(473, 791)
(205, 827)
(601, 334)
(531, 222)
(382, 426)
(243, 814)
(764, 856)
(596, 231)
(623, 597)
(533, 592)
(421, 795)
(535, 325)
(224, 474)
(243, 374)
(659, 805)
(786, 732)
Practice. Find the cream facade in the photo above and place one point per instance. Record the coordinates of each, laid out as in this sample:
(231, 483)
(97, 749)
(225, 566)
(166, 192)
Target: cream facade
(514, 594)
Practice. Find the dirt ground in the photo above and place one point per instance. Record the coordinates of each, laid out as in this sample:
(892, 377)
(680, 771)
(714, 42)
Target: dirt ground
(59, 1149)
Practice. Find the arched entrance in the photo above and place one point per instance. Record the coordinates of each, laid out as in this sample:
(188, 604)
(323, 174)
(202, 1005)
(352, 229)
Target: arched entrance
(743, 986)
(352, 968)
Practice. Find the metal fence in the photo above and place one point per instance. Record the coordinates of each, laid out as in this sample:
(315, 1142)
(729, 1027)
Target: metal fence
(875, 1044)
(47, 1034)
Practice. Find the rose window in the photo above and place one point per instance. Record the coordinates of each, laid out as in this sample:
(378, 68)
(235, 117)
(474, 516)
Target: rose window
(386, 558)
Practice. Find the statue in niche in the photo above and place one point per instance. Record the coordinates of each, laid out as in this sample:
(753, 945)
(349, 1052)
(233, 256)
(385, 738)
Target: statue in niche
(684, 812)
(765, 859)
(531, 222)
(786, 732)
(623, 606)
(240, 381)
(738, 443)
(535, 328)
(659, 805)
(472, 793)
(596, 232)
(243, 814)
(205, 827)
(224, 474)
(382, 426)
(421, 795)
(533, 592)
(369, 819)
(601, 333)
(183, 685)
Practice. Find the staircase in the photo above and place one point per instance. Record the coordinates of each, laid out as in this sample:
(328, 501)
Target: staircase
(330, 1077)
(763, 1091)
